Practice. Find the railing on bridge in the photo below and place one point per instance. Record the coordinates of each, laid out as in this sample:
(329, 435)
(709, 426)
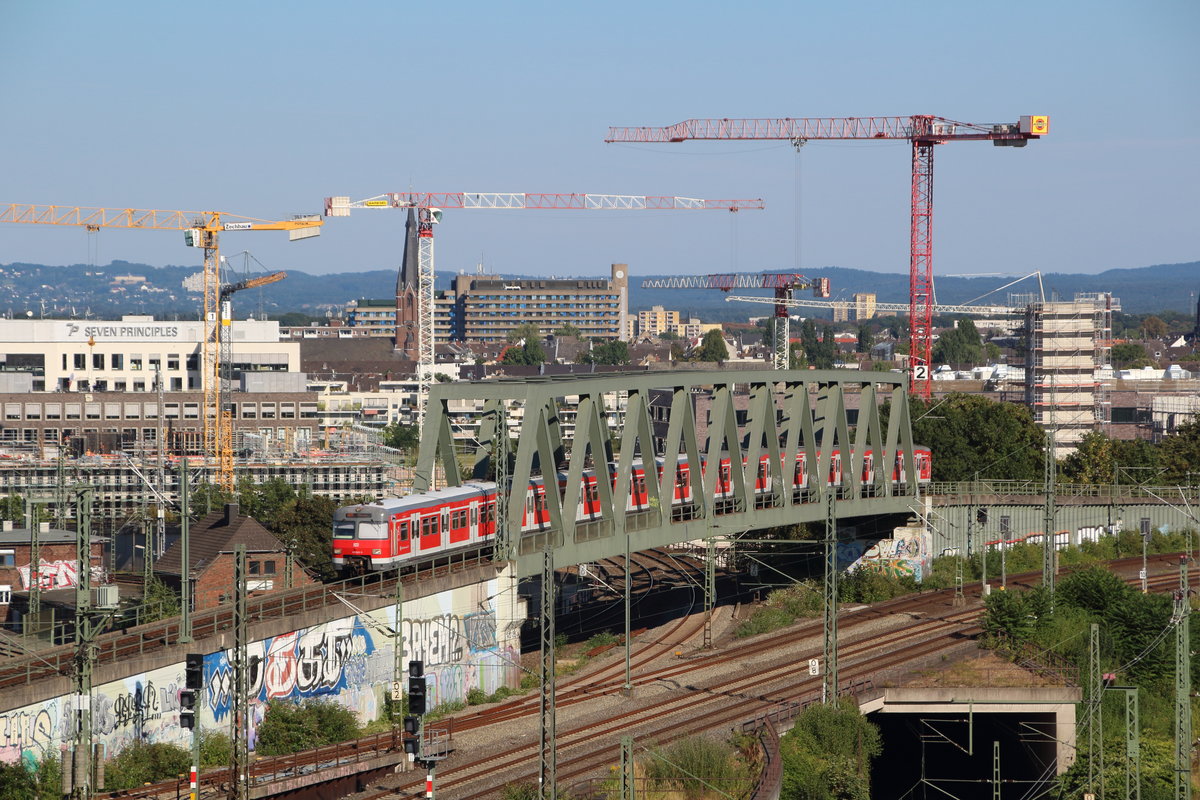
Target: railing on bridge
(1116, 492)
(120, 645)
(695, 415)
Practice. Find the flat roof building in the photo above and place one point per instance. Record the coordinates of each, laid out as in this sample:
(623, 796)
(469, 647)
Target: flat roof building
(491, 307)
(125, 355)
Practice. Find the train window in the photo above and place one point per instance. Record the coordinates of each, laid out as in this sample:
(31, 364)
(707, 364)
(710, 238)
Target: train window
(372, 530)
(404, 531)
(589, 493)
(474, 515)
(343, 530)
(458, 520)
(429, 526)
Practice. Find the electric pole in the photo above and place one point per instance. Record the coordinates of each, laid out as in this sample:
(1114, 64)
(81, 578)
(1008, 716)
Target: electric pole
(85, 655)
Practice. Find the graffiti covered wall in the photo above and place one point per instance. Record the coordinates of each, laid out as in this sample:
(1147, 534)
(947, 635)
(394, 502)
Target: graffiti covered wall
(907, 552)
(467, 638)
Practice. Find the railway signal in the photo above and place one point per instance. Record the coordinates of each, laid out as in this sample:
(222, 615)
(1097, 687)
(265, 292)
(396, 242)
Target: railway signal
(187, 709)
(416, 687)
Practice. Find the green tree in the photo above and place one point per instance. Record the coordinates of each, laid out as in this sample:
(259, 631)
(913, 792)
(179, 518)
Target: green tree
(159, 602)
(18, 782)
(307, 523)
(142, 763)
(712, 347)
(529, 331)
(263, 501)
(971, 435)
(1094, 460)
(615, 352)
(207, 497)
(1093, 590)
(818, 351)
(827, 755)
(1128, 355)
(864, 338)
(529, 354)
(567, 329)
(1154, 327)
(1180, 454)
(959, 345)
(401, 437)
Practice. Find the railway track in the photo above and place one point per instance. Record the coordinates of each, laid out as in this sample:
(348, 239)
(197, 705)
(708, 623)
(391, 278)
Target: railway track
(691, 705)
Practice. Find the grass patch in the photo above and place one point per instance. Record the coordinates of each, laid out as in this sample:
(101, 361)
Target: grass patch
(782, 608)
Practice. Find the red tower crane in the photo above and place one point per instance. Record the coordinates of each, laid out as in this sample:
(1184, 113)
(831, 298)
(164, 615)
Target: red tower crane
(924, 131)
(784, 285)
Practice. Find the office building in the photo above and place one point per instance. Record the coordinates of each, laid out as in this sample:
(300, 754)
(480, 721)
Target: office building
(490, 307)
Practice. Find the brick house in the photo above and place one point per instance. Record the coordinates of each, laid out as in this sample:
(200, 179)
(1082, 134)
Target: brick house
(58, 567)
(213, 540)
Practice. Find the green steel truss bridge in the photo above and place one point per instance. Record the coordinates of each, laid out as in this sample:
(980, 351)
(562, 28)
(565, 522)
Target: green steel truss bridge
(787, 413)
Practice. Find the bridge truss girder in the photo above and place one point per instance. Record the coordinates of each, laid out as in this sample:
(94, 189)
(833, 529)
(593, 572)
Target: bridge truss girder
(788, 412)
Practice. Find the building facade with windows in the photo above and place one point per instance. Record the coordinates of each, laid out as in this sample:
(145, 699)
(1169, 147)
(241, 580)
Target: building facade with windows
(490, 307)
(657, 321)
(125, 355)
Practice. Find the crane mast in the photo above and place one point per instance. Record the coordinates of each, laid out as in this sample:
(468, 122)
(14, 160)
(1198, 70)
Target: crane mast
(922, 130)
(429, 206)
(201, 229)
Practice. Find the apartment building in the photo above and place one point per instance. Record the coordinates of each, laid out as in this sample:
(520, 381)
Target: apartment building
(490, 307)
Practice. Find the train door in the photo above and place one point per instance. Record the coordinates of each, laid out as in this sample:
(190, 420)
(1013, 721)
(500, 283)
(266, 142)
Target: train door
(431, 537)
(401, 537)
(474, 530)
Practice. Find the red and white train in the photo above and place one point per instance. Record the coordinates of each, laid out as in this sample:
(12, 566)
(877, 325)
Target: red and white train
(400, 531)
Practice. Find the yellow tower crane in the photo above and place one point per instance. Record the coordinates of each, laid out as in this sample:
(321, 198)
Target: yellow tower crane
(201, 229)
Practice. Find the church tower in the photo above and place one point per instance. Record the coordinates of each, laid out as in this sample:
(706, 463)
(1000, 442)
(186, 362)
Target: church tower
(407, 281)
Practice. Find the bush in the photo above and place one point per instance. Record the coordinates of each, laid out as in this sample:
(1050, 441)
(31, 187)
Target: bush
(145, 763)
(476, 697)
(695, 766)
(782, 608)
(290, 727)
(520, 791)
(216, 749)
(868, 585)
(18, 782)
(828, 753)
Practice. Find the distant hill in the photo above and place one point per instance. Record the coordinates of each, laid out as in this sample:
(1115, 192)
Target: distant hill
(78, 290)
(1164, 287)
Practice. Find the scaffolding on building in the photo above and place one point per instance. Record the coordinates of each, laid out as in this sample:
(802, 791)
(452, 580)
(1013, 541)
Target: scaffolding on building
(1067, 372)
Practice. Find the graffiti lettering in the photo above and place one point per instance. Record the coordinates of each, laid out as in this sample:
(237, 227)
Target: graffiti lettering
(480, 631)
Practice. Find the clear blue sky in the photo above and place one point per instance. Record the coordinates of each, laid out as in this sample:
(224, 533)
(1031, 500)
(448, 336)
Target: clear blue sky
(264, 108)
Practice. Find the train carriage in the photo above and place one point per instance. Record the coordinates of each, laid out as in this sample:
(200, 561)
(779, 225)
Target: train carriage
(399, 531)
